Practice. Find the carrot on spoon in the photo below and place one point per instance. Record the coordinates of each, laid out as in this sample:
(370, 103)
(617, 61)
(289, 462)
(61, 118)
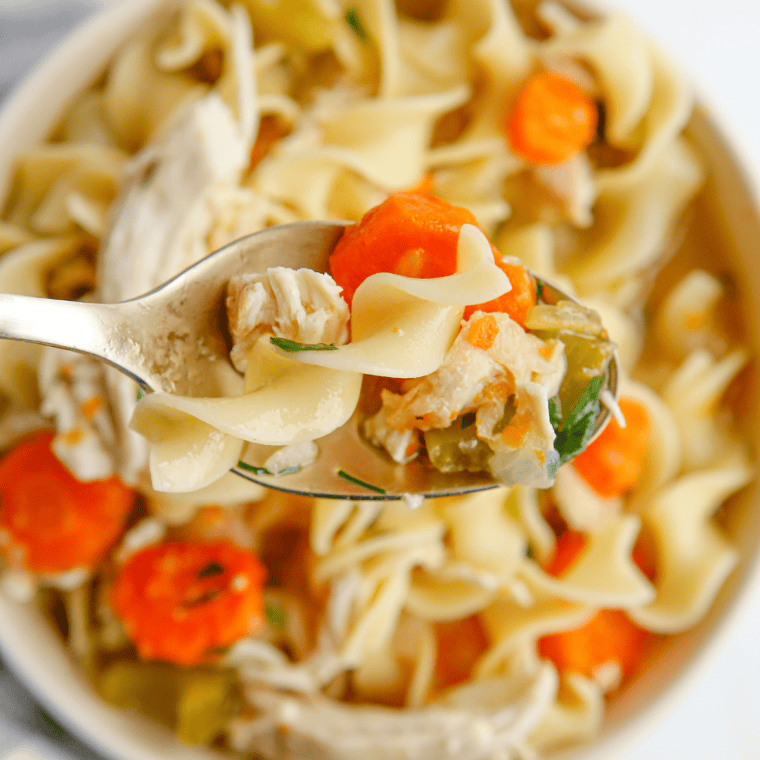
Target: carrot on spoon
(416, 236)
(50, 522)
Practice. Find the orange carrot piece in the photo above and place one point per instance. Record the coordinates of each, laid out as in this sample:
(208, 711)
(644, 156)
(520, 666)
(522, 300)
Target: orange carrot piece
(483, 332)
(460, 645)
(416, 236)
(50, 522)
(610, 636)
(613, 463)
(569, 545)
(181, 602)
(551, 120)
(405, 226)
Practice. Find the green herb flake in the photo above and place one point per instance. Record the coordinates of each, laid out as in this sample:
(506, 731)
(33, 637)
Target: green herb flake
(352, 19)
(140, 393)
(468, 420)
(276, 617)
(539, 290)
(578, 428)
(52, 726)
(293, 346)
(263, 470)
(356, 481)
(555, 414)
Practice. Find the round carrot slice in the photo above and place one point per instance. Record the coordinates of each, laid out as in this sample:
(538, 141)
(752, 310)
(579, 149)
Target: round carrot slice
(416, 236)
(50, 522)
(613, 463)
(183, 601)
(551, 120)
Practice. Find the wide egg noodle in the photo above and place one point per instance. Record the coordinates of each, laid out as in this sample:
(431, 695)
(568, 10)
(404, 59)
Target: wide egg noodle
(511, 626)
(664, 451)
(523, 502)
(294, 403)
(337, 523)
(12, 236)
(383, 141)
(185, 454)
(575, 717)
(140, 100)
(693, 557)
(633, 220)
(604, 574)
(403, 326)
(627, 82)
(686, 319)
(483, 536)
(48, 175)
(582, 508)
(692, 393)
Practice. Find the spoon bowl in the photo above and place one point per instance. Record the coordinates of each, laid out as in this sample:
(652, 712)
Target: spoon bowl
(174, 339)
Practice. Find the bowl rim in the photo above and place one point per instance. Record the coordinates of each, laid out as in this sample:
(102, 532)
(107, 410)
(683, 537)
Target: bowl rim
(87, 49)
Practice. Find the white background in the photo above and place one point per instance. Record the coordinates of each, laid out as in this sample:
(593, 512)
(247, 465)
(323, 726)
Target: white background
(718, 716)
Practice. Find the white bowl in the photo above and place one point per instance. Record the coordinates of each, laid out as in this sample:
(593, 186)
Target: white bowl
(34, 652)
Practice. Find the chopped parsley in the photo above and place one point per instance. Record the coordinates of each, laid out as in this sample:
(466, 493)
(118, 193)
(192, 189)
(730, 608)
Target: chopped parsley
(467, 420)
(52, 726)
(539, 289)
(352, 19)
(574, 434)
(140, 393)
(263, 470)
(292, 346)
(356, 481)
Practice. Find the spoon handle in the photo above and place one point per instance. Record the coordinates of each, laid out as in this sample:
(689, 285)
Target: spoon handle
(97, 329)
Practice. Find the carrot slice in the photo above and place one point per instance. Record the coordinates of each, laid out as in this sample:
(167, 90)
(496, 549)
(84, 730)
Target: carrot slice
(181, 602)
(416, 236)
(610, 636)
(551, 120)
(613, 463)
(50, 522)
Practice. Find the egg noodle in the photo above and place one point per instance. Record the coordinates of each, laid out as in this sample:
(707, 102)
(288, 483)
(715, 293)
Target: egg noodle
(390, 631)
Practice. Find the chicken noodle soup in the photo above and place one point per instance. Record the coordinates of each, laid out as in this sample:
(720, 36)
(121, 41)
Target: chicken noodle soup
(493, 625)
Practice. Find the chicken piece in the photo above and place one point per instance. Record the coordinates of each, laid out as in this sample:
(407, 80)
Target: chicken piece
(300, 305)
(491, 718)
(518, 372)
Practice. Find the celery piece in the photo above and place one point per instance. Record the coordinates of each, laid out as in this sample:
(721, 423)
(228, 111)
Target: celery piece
(454, 449)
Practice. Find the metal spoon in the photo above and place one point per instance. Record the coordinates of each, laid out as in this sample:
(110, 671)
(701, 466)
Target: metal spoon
(170, 338)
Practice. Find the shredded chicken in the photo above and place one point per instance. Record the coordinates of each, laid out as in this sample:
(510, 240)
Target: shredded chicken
(300, 305)
(472, 722)
(518, 368)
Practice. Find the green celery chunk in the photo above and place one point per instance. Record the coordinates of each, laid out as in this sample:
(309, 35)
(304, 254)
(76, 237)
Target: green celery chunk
(195, 703)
